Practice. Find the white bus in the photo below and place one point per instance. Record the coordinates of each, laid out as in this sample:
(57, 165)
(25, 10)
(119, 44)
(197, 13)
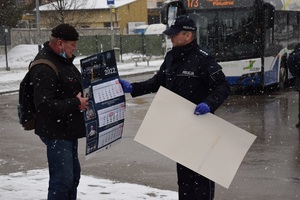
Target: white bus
(251, 39)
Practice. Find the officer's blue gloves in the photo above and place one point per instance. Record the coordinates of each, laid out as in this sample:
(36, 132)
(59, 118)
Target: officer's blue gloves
(127, 87)
(202, 109)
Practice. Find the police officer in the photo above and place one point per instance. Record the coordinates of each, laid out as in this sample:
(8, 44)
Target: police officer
(192, 73)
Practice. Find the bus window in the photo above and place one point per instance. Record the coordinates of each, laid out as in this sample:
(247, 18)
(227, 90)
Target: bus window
(172, 15)
(202, 32)
(293, 30)
(276, 37)
(281, 28)
(228, 35)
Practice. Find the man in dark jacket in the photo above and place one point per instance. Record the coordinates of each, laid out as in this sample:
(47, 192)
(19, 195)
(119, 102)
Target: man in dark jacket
(294, 67)
(193, 74)
(59, 104)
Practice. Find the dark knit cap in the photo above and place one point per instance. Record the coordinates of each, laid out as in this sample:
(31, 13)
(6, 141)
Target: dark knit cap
(65, 32)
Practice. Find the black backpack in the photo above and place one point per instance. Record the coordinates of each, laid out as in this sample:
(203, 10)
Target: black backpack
(26, 108)
(293, 63)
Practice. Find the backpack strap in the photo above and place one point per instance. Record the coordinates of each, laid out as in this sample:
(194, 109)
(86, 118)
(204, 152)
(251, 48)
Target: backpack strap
(43, 61)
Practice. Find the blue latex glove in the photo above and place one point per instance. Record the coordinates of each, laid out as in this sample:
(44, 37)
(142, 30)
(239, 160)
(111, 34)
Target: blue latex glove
(127, 87)
(202, 109)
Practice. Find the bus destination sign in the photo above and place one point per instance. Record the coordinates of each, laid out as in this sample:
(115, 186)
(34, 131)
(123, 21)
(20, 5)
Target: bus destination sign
(206, 4)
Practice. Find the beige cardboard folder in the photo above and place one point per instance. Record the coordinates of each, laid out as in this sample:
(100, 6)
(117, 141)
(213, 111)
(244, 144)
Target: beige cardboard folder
(206, 143)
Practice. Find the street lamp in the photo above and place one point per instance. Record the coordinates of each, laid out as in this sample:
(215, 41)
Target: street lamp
(110, 4)
(5, 47)
(112, 26)
(37, 8)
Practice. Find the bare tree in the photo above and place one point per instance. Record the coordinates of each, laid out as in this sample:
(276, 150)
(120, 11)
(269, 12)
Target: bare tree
(10, 14)
(67, 11)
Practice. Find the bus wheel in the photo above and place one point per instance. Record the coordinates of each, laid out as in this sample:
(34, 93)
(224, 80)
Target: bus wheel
(282, 77)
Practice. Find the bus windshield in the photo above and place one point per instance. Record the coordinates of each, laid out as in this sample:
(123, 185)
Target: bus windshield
(228, 34)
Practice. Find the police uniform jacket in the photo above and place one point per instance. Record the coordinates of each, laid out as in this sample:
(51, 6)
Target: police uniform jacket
(191, 73)
(57, 107)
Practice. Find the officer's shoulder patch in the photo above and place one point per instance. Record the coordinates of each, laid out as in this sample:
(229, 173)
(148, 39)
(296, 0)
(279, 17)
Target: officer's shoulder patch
(202, 52)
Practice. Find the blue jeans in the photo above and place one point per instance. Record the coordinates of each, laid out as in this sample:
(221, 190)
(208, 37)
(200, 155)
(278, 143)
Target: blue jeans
(64, 168)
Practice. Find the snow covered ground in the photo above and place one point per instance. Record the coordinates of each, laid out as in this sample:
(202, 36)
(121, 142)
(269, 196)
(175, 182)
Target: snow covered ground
(29, 185)
(19, 58)
(32, 185)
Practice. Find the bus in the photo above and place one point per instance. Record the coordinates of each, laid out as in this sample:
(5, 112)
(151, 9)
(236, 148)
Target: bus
(250, 39)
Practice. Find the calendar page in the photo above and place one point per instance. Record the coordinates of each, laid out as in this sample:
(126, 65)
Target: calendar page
(104, 119)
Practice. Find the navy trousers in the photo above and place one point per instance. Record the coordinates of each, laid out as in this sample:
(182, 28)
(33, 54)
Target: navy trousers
(193, 186)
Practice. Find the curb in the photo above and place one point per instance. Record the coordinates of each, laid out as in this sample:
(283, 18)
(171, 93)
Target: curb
(8, 92)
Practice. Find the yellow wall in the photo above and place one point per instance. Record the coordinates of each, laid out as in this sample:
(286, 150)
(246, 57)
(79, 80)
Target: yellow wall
(135, 12)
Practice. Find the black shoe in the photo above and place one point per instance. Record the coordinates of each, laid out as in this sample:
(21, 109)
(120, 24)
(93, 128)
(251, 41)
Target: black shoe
(298, 125)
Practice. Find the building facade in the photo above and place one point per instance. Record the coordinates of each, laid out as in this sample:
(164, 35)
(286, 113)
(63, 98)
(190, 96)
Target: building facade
(92, 14)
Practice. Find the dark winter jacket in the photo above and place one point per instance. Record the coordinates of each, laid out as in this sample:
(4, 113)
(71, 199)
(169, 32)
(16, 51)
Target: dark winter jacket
(58, 114)
(191, 73)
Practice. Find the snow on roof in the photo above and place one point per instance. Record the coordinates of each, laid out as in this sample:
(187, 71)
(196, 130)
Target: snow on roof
(85, 4)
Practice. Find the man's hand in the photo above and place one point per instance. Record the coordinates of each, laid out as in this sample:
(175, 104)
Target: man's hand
(202, 109)
(127, 87)
(83, 102)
